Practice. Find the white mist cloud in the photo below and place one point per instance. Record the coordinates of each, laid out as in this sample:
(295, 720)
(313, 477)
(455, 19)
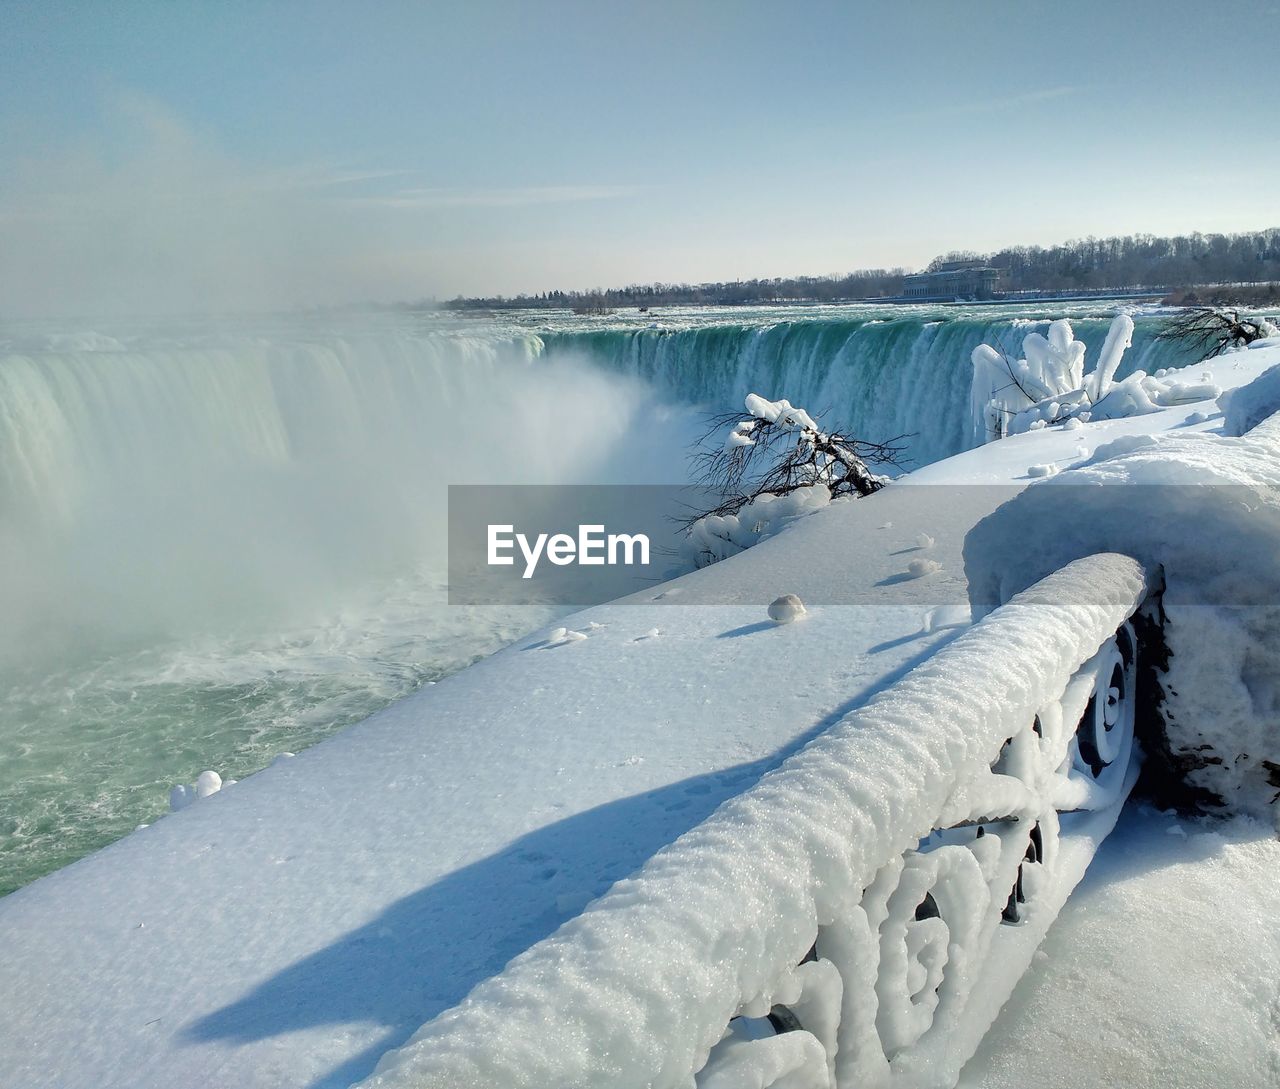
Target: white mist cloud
(146, 215)
(149, 215)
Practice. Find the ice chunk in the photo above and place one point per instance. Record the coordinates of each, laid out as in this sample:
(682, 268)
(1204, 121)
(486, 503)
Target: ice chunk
(208, 782)
(560, 636)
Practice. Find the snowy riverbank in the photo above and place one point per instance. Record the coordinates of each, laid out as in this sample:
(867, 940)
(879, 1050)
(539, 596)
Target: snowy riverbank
(292, 928)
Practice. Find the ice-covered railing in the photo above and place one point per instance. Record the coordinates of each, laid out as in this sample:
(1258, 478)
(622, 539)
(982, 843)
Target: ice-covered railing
(857, 918)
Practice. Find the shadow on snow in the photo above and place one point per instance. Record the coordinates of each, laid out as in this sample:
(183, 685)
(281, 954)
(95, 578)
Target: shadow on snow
(426, 951)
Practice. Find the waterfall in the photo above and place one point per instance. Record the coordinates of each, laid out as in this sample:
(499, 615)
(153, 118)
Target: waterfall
(879, 377)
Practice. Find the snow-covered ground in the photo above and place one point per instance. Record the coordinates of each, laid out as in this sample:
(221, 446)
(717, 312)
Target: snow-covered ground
(1162, 970)
(290, 929)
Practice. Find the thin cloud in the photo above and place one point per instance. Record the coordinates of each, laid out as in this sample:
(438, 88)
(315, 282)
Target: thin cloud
(495, 198)
(997, 105)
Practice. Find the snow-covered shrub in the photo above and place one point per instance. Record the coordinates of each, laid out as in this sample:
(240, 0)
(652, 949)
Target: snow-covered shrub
(772, 468)
(1049, 386)
(715, 537)
(1211, 331)
(1205, 511)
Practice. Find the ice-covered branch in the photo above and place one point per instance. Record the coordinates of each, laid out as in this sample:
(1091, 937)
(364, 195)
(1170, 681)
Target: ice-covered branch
(771, 468)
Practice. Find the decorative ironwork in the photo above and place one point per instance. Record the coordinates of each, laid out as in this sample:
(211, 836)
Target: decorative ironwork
(892, 981)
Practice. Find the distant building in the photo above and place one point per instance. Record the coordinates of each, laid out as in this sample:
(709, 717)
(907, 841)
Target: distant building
(954, 280)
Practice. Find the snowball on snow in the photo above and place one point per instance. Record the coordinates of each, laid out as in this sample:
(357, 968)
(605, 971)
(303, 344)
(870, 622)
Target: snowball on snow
(919, 568)
(785, 609)
(1042, 470)
(923, 540)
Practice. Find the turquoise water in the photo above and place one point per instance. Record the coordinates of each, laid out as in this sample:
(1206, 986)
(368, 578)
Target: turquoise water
(219, 541)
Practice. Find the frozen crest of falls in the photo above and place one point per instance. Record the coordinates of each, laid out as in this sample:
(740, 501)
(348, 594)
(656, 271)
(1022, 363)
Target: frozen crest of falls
(878, 373)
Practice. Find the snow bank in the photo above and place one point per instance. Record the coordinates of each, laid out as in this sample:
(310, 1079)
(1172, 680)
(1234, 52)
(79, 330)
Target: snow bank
(1163, 969)
(1205, 509)
(637, 990)
(1245, 407)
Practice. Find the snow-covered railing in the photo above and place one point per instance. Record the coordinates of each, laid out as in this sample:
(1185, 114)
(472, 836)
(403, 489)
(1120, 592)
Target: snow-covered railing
(858, 917)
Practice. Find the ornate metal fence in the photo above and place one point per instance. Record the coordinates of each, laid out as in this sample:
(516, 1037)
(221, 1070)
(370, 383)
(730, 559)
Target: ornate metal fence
(859, 916)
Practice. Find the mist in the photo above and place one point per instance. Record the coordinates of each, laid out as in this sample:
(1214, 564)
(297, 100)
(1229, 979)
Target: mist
(145, 214)
(157, 491)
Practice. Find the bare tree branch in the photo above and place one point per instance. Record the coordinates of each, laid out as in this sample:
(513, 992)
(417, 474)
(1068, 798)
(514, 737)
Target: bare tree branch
(780, 457)
(1210, 331)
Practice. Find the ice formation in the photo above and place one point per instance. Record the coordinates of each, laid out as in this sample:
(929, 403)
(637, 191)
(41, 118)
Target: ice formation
(560, 636)
(1204, 510)
(1048, 385)
(207, 782)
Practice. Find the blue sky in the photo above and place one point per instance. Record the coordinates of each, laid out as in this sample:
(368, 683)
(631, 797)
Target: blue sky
(175, 155)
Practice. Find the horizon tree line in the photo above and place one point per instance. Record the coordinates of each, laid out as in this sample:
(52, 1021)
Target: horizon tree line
(1139, 261)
